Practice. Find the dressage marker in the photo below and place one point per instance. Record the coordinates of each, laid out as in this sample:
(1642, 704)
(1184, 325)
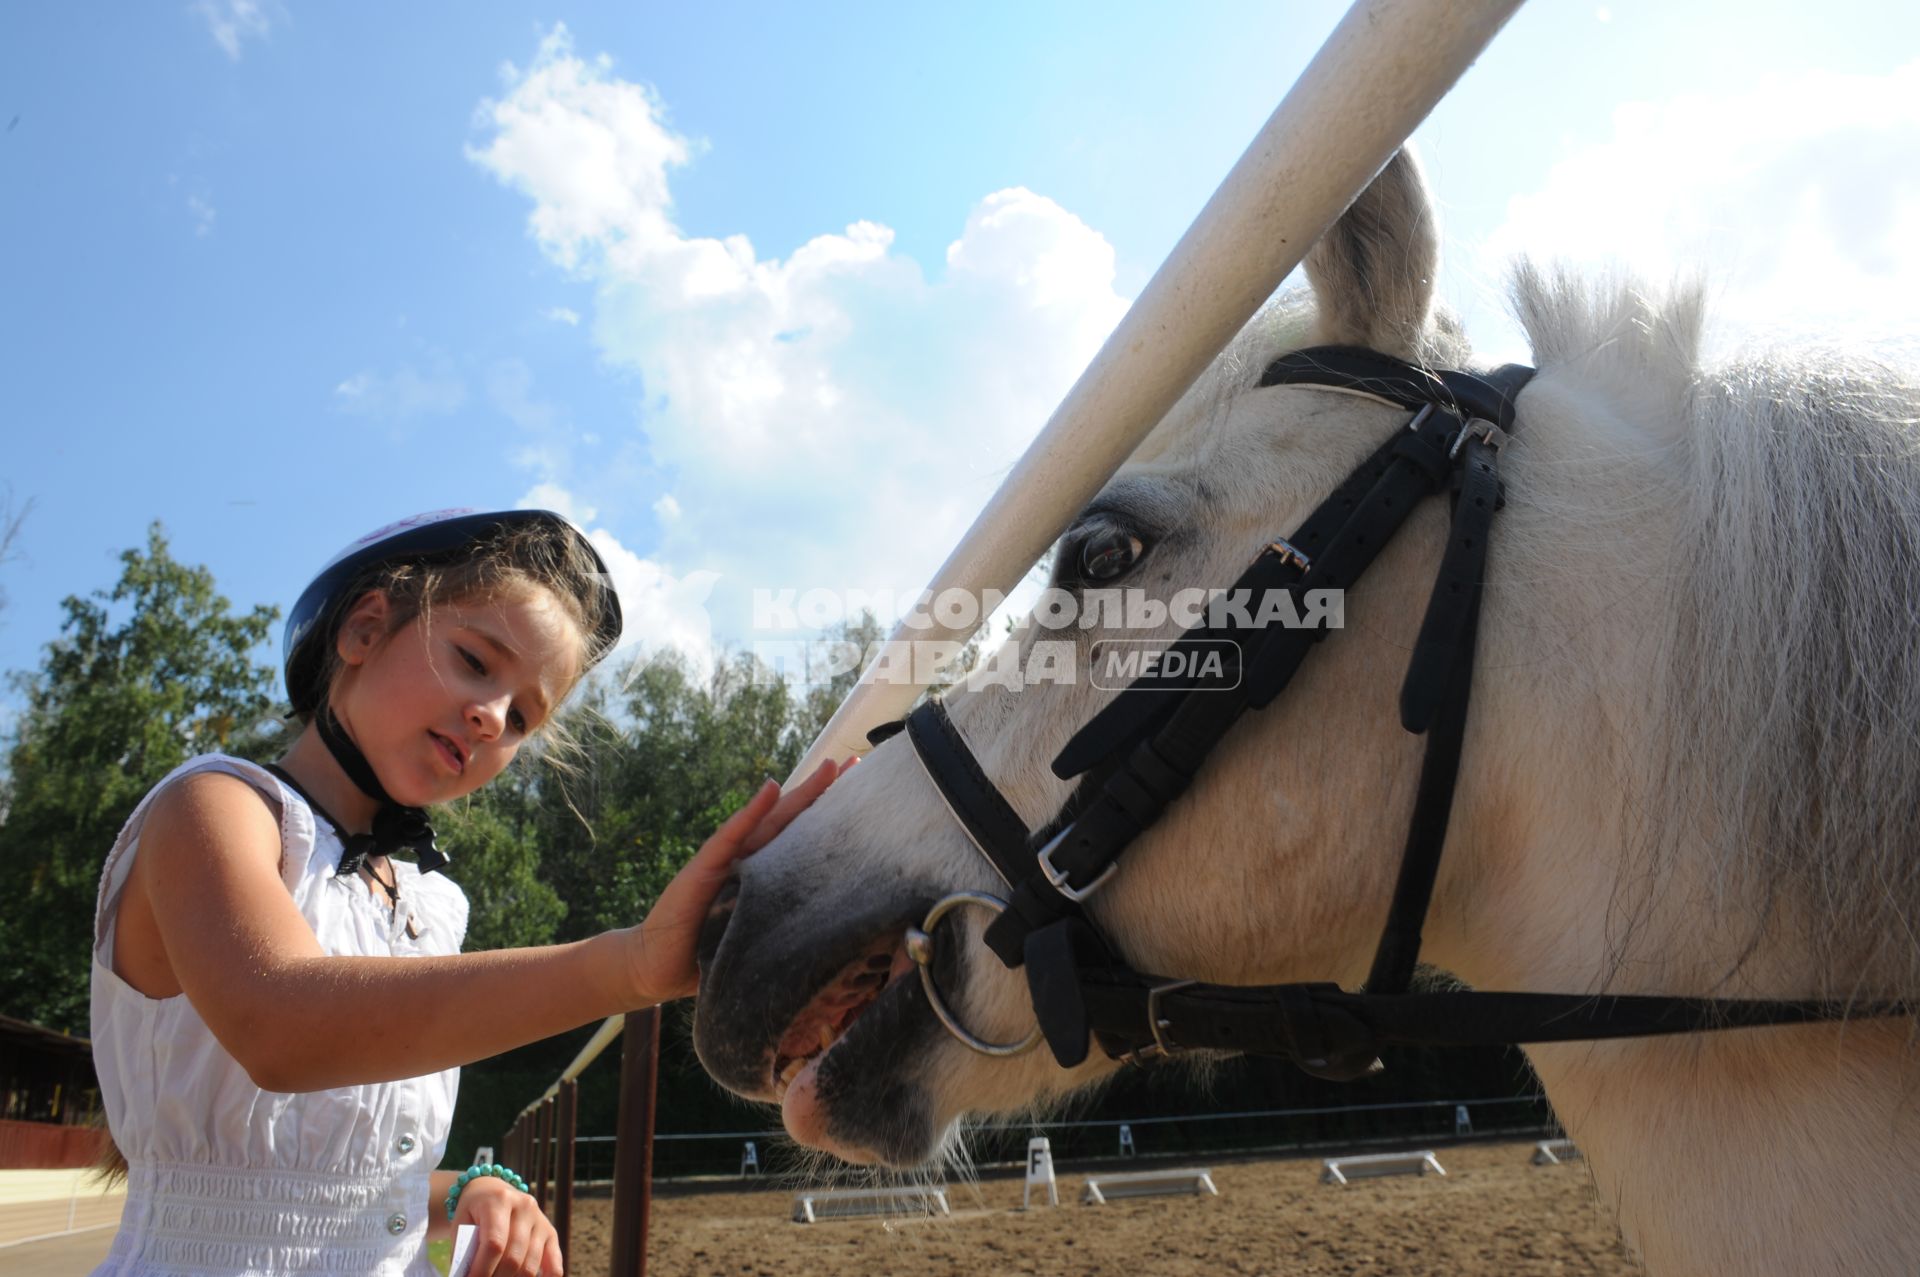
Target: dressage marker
(853, 1203)
(1554, 1152)
(1040, 1172)
(1101, 1189)
(1338, 1170)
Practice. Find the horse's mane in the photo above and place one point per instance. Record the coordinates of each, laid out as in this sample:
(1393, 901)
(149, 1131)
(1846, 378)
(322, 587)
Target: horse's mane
(1790, 674)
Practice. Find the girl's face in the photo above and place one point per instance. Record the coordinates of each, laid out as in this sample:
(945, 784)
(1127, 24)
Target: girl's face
(441, 708)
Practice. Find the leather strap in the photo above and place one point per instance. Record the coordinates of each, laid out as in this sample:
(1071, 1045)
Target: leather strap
(346, 752)
(990, 821)
(1335, 1033)
(1435, 696)
(1457, 589)
(1131, 713)
(1366, 510)
(1488, 396)
(395, 827)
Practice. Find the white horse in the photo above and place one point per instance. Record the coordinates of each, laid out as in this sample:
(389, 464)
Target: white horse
(1691, 767)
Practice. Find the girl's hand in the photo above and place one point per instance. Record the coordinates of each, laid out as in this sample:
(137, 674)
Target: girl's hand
(661, 949)
(512, 1238)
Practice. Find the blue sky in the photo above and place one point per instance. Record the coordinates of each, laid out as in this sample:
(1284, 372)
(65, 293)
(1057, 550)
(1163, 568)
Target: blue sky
(772, 295)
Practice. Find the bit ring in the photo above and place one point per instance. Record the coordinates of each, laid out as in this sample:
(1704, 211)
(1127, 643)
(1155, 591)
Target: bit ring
(920, 950)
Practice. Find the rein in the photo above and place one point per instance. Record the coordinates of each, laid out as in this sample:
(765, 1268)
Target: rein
(1140, 753)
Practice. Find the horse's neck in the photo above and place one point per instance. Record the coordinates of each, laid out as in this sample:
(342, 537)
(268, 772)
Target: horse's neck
(1779, 1150)
(1783, 1150)
(1772, 1150)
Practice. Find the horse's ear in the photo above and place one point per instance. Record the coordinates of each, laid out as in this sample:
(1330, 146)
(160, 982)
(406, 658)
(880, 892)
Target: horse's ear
(1372, 273)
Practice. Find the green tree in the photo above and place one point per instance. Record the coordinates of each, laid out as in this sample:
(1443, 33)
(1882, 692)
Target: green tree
(661, 771)
(864, 634)
(509, 904)
(142, 677)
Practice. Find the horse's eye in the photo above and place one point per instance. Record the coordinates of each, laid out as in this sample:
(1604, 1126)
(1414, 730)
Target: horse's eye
(1108, 555)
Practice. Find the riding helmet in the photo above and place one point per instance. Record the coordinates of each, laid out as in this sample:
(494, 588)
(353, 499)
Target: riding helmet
(438, 536)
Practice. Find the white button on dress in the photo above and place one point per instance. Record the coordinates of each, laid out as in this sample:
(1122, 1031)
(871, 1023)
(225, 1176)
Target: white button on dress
(225, 1178)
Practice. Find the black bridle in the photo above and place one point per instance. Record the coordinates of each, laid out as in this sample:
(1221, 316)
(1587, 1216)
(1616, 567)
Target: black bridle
(1139, 754)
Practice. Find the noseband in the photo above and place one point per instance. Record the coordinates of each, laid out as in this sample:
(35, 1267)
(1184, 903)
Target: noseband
(1139, 754)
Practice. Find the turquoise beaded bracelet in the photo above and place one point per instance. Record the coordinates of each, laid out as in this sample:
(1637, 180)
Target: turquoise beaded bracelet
(477, 1172)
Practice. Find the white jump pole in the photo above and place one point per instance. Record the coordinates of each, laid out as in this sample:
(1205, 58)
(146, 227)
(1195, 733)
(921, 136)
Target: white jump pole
(1378, 75)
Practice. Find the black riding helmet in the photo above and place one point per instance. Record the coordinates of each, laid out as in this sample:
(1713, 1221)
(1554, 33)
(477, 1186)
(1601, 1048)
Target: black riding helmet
(423, 539)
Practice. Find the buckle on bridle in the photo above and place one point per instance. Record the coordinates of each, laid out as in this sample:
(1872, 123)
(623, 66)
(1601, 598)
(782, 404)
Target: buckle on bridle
(1161, 1048)
(1289, 553)
(1478, 428)
(1058, 877)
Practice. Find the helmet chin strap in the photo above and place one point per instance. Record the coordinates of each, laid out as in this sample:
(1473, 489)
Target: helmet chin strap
(395, 827)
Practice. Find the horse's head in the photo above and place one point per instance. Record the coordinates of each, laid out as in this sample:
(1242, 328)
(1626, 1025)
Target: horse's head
(1275, 866)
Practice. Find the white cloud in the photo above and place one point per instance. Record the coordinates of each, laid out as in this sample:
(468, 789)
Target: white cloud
(203, 215)
(1797, 198)
(589, 149)
(660, 612)
(832, 418)
(562, 315)
(666, 508)
(231, 21)
(402, 395)
(551, 496)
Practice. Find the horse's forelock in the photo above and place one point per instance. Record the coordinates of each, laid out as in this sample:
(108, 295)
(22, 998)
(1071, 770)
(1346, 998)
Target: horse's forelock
(1612, 329)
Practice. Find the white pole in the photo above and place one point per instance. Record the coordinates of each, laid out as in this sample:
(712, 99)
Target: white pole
(1378, 75)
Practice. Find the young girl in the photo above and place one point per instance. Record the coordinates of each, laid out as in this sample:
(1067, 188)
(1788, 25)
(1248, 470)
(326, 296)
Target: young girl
(280, 1009)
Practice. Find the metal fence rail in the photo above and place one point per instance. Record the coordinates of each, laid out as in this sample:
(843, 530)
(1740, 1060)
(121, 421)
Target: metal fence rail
(710, 1154)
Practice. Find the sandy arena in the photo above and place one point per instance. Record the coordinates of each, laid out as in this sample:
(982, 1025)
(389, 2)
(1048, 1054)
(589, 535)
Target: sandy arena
(1493, 1214)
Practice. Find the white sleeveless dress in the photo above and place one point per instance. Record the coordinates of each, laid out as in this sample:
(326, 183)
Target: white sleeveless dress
(225, 1178)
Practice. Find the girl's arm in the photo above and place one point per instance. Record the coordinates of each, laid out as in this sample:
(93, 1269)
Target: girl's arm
(439, 1184)
(298, 1019)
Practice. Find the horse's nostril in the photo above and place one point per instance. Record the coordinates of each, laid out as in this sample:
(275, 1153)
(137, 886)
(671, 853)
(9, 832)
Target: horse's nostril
(719, 914)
